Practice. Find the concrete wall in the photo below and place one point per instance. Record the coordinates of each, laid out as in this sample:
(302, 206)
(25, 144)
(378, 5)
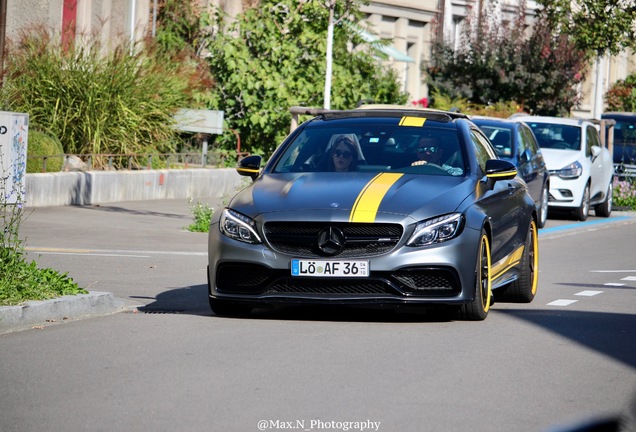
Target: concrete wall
(100, 187)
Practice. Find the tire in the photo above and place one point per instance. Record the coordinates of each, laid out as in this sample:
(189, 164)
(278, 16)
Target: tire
(524, 289)
(543, 210)
(604, 209)
(228, 308)
(477, 309)
(583, 211)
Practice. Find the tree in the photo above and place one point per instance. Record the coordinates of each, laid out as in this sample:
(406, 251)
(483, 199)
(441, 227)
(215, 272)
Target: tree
(622, 95)
(497, 63)
(597, 27)
(273, 57)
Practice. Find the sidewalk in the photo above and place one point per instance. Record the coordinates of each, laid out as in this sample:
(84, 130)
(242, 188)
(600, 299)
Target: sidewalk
(34, 314)
(154, 225)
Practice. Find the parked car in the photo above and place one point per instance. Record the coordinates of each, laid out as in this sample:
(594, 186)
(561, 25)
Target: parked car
(624, 142)
(515, 142)
(392, 230)
(581, 170)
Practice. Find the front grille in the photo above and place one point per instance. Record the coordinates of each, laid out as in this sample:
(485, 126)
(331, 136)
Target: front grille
(410, 282)
(300, 239)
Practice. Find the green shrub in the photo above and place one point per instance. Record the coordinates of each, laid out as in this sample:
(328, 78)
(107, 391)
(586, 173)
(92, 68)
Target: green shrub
(42, 144)
(202, 216)
(624, 193)
(98, 100)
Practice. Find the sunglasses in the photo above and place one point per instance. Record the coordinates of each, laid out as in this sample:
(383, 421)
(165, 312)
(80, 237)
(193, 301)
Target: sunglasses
(427, 149)
(345, 154)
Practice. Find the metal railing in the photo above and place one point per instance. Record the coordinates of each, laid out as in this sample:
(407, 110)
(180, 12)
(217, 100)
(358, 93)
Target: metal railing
(114, 162)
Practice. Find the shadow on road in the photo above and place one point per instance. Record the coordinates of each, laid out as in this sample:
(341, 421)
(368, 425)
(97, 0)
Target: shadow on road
(193, 300)
(605, 333)
(135, 212)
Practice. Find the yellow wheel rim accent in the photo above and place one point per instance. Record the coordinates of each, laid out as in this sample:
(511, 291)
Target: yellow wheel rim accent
(485, 267)
(534, 257)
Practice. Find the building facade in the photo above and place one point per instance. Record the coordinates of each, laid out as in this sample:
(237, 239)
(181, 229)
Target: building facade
(411, 25)
(108, 19)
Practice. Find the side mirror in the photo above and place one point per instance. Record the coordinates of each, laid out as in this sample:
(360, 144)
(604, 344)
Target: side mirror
(525, 156)
(596, 150)
(497, 169)
(249, 166)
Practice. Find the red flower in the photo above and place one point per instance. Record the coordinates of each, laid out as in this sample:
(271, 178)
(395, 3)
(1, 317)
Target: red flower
(421, 103)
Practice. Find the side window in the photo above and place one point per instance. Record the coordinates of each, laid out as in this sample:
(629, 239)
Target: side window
(531, 141)
(522, 139)
(591, 139)
(483, 149)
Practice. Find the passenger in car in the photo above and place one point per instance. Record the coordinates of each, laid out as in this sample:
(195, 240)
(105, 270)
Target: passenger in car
(429, 151)
(343, 156)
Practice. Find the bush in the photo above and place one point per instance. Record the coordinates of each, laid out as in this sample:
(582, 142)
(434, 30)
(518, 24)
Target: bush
(624, 193)
(202, 216)
(622, 95)
(42, 144)
(98, 100)
(499, 63)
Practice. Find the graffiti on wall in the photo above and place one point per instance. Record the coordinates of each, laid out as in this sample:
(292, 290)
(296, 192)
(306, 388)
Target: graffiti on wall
(14, 132)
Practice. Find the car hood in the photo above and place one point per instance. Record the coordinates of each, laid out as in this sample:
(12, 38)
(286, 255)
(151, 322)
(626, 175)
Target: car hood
(362, 197)
(557, 159)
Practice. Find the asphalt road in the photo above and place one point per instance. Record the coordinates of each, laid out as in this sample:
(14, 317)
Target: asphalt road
(168, 364)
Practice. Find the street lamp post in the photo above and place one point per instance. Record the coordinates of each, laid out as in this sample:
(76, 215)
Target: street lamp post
(327, 99)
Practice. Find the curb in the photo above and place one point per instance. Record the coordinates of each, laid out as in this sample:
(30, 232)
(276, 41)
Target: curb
(65, 308)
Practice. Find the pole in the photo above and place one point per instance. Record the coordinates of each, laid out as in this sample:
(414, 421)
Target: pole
(327, 100)
(3, 29)
(598, 87)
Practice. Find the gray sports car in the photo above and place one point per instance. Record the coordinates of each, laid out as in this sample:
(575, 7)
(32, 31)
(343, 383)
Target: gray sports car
(377, 207)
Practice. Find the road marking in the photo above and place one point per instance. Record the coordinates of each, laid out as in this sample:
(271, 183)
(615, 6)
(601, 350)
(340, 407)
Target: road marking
(562, 302)
(579, 225)
(614, 284)
(109, 252)
(629, 278)
(88, 253)
(588, 293)
(612, 271)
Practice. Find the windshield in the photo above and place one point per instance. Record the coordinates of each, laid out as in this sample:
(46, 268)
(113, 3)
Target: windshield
(374, 147)
(624, 132)
(557, 136)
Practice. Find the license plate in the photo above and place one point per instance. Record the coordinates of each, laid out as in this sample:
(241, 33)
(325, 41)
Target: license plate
(317, 268)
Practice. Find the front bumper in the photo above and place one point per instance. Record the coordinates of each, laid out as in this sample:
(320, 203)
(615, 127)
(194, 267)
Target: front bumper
(566, 193)
(437, 274)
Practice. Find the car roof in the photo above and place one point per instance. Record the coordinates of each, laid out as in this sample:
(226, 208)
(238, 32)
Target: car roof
(495, 120)
(393, 112)
(619, 115)
(570, 121)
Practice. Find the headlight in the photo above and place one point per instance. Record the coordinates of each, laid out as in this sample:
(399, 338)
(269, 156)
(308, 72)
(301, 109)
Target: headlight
(436, 230)
(572, 171)
(238, 227)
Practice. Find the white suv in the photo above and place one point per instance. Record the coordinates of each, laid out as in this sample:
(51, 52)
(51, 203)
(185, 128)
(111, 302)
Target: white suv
(581, 170)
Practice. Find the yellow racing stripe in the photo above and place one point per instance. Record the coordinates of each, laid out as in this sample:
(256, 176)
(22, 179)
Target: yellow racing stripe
(412, 121)
(507, 262)
(366, 206)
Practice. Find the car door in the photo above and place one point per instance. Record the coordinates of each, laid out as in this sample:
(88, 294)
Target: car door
(598, 184)
(502, 203)
(527, 161)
